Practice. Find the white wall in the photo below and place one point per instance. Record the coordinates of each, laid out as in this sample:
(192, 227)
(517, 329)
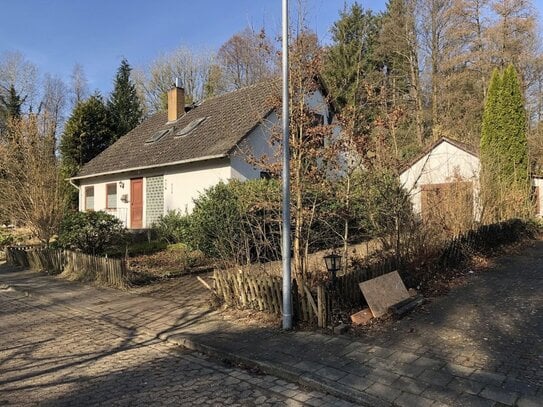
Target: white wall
(445, 163)
(184, 184)
(256, 145)
(123, 208)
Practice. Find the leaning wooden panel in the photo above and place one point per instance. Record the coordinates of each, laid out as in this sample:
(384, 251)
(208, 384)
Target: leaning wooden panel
(383, 291)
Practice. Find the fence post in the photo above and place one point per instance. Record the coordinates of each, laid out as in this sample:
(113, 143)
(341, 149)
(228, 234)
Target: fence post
(321, 307)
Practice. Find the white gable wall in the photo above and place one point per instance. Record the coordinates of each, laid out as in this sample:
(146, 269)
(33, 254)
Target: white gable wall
(445, 163)
(256, 145)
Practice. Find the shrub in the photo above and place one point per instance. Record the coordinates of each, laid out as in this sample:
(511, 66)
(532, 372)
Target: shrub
(92, 232)
(216, 223)
(174, 227)
(6, 239)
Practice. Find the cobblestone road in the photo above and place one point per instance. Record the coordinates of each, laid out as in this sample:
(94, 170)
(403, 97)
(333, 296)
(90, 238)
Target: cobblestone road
(54, 355)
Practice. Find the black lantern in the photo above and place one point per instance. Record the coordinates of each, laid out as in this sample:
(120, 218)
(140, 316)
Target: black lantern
(333, 264)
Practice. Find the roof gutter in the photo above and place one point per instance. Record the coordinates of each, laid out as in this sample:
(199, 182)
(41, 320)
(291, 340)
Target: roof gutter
(148, 167)
(74, 185)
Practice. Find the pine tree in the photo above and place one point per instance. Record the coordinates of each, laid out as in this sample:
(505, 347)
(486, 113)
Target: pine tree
(351, 58)
(124, 105)
(86, 134)
(11, 104)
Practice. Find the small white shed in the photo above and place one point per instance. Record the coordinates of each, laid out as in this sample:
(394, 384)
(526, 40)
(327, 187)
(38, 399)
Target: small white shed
(445, 169)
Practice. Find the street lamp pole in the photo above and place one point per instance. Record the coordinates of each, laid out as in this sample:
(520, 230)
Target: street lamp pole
(287, 295)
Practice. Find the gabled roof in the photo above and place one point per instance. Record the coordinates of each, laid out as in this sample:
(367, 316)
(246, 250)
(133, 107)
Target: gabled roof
(462, 146)
(228, 119)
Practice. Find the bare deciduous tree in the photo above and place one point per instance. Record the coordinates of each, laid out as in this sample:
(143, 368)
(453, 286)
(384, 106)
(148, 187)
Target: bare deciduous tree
(79, 87)
(30, 184)
(246, 58)
(23, 75)
(53, 105)
(154, 81)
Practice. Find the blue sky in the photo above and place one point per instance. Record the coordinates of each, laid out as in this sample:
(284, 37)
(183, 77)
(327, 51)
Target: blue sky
(56, 34)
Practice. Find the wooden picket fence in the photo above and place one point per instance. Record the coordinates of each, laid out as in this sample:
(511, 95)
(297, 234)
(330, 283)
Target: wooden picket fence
(262, 292)
(450, 254)
(73, 265)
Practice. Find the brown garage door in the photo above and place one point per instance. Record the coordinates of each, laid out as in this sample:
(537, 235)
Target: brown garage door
(449, 204)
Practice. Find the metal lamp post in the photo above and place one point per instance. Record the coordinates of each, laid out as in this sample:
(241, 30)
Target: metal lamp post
(287, 295)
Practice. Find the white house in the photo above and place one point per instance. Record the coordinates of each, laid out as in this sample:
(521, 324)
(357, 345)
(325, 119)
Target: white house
(448, 168)
(172, 157)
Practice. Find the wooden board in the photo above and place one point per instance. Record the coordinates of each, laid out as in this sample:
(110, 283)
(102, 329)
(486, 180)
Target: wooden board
(383, 291)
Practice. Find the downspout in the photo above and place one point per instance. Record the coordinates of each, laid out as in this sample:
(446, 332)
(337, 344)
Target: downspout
(73, 185)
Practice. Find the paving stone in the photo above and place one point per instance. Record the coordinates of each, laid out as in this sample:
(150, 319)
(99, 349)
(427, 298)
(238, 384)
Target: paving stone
(357, 382)
(46, 350)
(428, 363)
(487, 377)
(458, 370)
(381, 352)
(409, 369)
(517, 386)
(444, 395)
(411, 400)
(360, 356)
(530, 401)
(466, 385)
(438, 378)
(499, 395)
(383, 376)
(331, 373)
(383, 391)
(403, 357)
(409, 385)
(469, 400)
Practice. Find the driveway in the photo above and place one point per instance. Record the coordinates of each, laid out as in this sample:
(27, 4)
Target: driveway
(494, 322)
(52, 355)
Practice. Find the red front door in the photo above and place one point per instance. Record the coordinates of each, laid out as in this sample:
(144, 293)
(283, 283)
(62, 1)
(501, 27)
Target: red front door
(136, 203)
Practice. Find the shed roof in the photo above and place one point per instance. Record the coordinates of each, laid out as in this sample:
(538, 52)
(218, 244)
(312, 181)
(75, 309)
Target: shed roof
(458, 144)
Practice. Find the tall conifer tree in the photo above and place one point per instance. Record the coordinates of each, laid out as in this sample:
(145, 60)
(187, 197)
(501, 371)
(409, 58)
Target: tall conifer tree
(124, 105)
(504, 147)
(86, 134)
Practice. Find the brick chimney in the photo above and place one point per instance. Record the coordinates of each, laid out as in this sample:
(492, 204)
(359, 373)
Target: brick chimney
(176, 101)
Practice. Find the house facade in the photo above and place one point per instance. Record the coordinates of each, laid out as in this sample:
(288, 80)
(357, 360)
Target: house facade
(172, 157)
(445, 177)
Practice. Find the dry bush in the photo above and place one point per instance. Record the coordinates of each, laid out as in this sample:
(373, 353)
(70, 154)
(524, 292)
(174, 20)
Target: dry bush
(30, 184)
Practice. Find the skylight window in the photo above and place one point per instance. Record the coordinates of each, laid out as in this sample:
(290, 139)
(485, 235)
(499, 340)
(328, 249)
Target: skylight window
(157, 136)
(190, 127)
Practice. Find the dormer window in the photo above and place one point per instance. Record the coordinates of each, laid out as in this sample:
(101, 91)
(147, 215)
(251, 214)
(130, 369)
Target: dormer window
(185, 131)
(157, 136)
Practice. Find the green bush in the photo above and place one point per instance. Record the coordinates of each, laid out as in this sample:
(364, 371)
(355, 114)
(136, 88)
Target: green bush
(238, 222)
(216, 223)
(6, 239)
(174, 227)
(92, 233)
